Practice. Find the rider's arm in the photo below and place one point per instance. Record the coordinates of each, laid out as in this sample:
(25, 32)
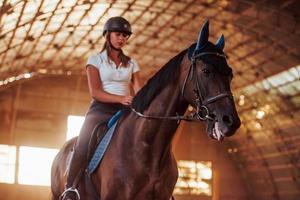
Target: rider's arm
(136, 82)
(96, 89)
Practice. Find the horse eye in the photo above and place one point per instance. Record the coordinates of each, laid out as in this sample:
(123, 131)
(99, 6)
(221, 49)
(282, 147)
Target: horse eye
(206, 72)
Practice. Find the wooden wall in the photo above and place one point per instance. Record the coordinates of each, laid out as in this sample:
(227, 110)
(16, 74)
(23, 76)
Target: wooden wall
(192, 143)
(34, 113)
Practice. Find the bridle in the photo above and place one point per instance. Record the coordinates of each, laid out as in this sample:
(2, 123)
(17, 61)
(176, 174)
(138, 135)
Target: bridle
(202, 112)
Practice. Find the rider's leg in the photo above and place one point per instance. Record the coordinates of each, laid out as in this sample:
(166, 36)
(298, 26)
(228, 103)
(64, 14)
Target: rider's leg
(79, 158)
(98, 113)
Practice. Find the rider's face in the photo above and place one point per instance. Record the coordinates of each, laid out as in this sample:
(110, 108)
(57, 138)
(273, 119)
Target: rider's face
(118, 39)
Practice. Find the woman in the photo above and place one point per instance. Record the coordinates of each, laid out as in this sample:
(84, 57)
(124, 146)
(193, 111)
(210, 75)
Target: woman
(110, 75)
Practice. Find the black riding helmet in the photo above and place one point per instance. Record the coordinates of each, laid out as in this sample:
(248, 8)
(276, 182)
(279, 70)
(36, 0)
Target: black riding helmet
(117, 24)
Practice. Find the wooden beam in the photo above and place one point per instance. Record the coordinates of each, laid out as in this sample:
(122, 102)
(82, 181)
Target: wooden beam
(14, 110)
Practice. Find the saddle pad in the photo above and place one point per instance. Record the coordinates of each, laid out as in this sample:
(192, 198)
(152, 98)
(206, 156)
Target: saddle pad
(102, 146)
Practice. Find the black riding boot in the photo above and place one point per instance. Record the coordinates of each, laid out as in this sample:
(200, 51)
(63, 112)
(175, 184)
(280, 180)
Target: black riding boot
(75, 171)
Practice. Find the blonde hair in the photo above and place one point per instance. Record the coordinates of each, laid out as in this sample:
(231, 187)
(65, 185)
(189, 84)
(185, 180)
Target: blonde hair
(107, 46)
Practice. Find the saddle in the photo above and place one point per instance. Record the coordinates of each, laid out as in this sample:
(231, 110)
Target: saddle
(99, 142)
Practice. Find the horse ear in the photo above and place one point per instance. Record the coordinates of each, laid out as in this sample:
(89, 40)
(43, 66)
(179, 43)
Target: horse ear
(220, 42)
(203, 35)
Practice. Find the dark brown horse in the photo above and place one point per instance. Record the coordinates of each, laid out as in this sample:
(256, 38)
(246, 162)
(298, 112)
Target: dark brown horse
(139, 163)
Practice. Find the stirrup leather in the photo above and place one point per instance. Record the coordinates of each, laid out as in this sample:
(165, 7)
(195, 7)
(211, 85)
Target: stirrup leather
(70, 189)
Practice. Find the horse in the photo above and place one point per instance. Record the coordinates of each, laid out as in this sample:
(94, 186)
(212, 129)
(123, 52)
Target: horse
(139, 163)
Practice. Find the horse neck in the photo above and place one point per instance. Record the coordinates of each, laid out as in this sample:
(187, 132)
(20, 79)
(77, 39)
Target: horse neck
(158, 133)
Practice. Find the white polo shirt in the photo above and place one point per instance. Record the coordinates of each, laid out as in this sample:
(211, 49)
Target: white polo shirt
(114, 80)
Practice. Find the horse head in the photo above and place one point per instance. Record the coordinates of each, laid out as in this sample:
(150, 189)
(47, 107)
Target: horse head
(207, 86)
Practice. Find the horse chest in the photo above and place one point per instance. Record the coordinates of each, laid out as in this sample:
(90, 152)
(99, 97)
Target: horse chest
(154, 189)
(158, 185)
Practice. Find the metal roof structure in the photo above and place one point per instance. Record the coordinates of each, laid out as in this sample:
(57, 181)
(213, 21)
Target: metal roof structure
(262, 37)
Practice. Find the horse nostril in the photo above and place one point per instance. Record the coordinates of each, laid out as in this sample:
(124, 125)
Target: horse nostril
(227, 120)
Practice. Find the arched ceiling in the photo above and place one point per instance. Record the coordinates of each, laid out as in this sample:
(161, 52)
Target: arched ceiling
(40, 37)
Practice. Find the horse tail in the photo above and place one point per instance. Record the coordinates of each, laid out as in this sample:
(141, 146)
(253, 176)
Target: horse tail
(58, 169)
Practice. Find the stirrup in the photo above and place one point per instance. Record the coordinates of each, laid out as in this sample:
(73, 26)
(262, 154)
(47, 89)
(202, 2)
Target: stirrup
(70, 189)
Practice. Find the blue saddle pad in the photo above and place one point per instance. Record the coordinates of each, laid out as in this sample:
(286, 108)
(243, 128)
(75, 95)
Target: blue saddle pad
(102, 146)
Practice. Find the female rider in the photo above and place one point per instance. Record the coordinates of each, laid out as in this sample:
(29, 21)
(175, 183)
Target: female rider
(111, 74)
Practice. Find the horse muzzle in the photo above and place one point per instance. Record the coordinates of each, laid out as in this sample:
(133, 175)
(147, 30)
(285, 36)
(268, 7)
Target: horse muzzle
(224, 126)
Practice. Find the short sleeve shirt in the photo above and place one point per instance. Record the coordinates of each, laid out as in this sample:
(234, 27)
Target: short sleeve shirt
(115, 80)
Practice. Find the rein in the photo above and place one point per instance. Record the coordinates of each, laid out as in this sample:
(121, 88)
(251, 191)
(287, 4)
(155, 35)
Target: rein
(202, 112)
(178, 118)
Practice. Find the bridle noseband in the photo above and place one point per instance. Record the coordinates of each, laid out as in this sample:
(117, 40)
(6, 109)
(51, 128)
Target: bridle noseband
(202, 112)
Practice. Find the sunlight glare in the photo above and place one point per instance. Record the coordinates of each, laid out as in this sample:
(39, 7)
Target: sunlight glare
(74, 126)
(35, 165)
(195, 177)
(7, 163)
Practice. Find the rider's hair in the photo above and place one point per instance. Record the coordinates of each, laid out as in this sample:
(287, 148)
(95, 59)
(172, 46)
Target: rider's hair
(108, 46)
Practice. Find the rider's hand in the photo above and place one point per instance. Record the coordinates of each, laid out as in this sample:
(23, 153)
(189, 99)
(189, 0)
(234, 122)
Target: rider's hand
(126, 100)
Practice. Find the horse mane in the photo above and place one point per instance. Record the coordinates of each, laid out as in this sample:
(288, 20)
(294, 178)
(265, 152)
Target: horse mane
(168, 74)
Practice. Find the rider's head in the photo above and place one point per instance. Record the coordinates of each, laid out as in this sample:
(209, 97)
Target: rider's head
(117, 30)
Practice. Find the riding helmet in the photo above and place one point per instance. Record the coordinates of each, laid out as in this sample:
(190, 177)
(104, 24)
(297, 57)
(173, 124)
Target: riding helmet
(117, 24)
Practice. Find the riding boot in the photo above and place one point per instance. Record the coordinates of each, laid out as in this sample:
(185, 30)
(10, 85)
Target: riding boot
(76, 168)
